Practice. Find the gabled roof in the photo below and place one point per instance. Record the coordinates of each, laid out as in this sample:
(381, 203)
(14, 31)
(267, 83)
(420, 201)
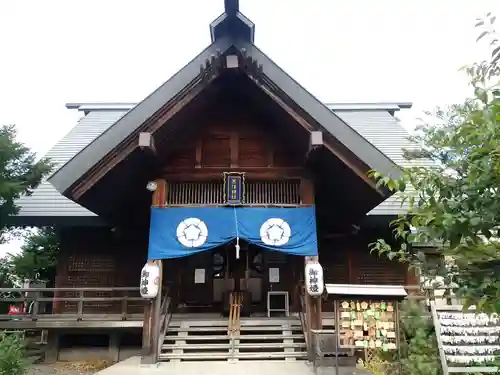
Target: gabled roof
(90, 155)
(46, 201)
(373, 121)
(231, 31)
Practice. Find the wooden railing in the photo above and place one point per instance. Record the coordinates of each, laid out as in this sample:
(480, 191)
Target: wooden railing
(303, 318)
(79, 303)
(165, 316)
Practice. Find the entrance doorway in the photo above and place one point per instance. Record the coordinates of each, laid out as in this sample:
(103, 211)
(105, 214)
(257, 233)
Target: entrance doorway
(244, 273)
(201, 283)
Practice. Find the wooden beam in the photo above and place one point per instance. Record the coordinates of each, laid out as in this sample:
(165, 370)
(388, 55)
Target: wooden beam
(356, 166)
(147, 331)
(157, 314)
(232, 62)
(316, 139)
(315, 144)
(147, 142)
(212, 173)
(199, 153)
(313, 304)
(234, 142)
(128, 145)
(159, 197)
(270, 153)
(151, 325)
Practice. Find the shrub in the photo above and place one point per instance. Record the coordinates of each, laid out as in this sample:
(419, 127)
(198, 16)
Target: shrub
(12, 354)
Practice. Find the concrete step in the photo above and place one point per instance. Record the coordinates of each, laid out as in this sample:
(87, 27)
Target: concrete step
(257, 339)
(293, 336)
(226, 356)
(205, 347)
(249, 337)
(273, 345)
(244, 321)
(270, 328)
(197, 329)
(242, 328)
(196, 337)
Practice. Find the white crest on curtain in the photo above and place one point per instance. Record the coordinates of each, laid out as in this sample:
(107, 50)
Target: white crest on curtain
(192, 232)
(275, 232)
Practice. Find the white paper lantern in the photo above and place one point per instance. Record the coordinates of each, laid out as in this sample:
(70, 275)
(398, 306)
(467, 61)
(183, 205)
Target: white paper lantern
(314, 279)
(150, 280)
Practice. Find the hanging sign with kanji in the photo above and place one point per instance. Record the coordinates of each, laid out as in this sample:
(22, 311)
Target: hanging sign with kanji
(314, 279)
(234, 187)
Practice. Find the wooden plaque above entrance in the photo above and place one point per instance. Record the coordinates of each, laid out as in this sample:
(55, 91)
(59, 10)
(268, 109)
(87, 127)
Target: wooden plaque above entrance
(234, 187)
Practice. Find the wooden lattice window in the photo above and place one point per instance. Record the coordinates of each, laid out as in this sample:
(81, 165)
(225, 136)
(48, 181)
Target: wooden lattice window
(284, 192)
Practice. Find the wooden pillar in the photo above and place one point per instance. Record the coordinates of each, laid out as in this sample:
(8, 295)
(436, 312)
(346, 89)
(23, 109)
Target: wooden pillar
(313, 304)
(114, 346)
(146, 333)
(150, 328)
(52, 349)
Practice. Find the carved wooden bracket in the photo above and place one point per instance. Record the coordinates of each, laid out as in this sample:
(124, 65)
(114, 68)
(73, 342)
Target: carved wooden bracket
(251, 66)
(212, 67)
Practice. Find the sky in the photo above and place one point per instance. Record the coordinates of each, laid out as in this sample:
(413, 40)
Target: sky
(58, 51)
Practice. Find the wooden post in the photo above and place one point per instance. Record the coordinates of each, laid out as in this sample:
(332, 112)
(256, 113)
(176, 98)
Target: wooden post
(114, 346)
(313, 304)
(146, 333)
(151, 325)
(52, 349)
(157, 314)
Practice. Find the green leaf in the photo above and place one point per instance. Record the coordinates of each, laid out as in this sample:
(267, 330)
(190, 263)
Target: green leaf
(481, 36)
(391, 255)
(475, 221)
(495, 54)
(481, 94)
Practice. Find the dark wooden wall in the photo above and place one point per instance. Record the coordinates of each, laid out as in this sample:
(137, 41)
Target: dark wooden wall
(96, 257)
(230, 140)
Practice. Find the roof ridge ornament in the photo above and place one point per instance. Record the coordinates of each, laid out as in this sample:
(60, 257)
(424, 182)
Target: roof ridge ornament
(232, 23)
(231, 7)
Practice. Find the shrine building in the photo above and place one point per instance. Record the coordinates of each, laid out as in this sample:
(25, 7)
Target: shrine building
(238, 190)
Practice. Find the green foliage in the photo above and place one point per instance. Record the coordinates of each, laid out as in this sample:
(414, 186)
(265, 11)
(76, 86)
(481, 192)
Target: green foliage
(20, 173)
(419, 348)
(12, 354)
(6, 279)
(38, 257)
(455, 200)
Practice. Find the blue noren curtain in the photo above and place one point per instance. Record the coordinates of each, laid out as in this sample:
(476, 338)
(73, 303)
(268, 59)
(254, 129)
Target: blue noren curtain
(179, 232)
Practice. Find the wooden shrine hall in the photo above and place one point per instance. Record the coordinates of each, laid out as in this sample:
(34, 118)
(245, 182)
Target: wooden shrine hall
(212, 203)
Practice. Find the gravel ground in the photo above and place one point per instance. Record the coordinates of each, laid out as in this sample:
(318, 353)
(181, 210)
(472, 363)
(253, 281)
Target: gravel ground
(64, 369)
(57, 369)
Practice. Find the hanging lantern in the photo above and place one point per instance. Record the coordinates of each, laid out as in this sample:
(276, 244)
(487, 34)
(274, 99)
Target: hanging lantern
(314, 279)
(150, 280)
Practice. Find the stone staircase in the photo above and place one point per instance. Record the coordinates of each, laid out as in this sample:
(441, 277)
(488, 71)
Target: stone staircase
(258, 339)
